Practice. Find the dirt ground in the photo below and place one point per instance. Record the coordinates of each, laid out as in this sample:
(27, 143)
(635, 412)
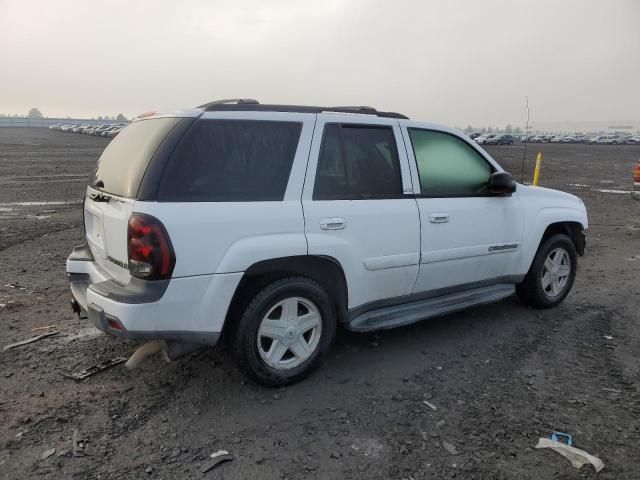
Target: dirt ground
(499, 376)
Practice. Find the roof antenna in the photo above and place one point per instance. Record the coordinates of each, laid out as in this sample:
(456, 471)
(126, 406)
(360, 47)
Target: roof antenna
(526, 138)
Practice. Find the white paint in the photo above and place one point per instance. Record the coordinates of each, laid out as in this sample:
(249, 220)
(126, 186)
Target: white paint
(386, 248)
(378, 249)
(604, 190)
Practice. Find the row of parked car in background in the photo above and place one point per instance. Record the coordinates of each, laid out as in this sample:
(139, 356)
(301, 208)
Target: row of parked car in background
(109, 130)
(506, 139)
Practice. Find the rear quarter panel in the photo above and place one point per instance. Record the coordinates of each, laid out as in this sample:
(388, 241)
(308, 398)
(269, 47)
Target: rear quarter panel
(225, 237)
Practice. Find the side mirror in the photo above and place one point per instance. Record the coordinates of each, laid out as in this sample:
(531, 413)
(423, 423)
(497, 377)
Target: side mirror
(501, 183)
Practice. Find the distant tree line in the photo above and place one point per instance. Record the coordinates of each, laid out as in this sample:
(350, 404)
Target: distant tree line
(36, 113)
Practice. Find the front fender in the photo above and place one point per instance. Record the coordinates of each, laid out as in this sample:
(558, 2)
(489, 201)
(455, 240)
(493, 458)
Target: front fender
(534, 230)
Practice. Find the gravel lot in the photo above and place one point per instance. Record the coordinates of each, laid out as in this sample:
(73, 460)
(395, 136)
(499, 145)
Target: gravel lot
(500, 376)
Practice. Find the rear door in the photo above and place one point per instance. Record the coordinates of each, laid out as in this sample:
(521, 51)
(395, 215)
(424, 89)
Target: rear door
(114, 185)
(359, 208)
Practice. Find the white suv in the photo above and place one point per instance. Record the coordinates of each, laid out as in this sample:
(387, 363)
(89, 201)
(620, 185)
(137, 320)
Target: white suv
(268, 225)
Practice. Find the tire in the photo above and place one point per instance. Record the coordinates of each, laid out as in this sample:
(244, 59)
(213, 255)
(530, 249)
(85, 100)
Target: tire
(542, 292)
(268, 340)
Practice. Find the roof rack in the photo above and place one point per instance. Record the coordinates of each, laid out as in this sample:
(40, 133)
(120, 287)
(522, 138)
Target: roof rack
(248, 104)
(230, 101)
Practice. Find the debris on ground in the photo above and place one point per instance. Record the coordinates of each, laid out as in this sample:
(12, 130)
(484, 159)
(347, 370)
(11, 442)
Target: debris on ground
(7, 403)
(608, 337)
(87, 372)
(47, 453)
(612, 390)
(369, 447)
(576, 456)
(78, 444)
(29, 340)
(216, 459)
(449, 447)
(143, 351)
(430, 405)
(46, 327)
(558, 436)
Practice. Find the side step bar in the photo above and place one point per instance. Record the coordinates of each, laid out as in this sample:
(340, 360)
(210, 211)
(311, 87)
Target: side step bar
(407, 313)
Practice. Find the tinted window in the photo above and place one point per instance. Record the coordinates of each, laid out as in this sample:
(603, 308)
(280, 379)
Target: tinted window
(231, 161)
(357, 162)
(125, 159)
(447, 165)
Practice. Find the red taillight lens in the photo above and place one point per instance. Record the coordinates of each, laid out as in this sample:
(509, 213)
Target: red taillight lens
(150, 251)
(636, 173)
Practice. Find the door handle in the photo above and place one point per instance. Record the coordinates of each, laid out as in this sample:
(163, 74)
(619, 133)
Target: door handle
(439, 217)
(333, 223)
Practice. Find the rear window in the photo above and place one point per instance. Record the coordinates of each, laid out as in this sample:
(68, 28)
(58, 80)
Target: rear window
(231, 161)
(124, 161)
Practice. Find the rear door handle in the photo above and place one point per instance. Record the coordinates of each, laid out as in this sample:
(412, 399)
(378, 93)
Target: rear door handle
(439, 217)
(333, 223)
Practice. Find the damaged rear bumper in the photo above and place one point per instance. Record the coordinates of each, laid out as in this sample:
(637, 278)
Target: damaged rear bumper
(141, 310)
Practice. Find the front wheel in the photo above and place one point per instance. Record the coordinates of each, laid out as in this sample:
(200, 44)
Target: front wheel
(552, 273)
(285, 332)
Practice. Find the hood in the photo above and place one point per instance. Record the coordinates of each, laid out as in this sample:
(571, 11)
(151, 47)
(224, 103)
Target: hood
(549, 198)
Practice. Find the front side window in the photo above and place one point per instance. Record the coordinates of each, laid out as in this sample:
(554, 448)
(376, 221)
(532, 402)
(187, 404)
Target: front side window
(447, 165)
(231, 161)
(357, 162)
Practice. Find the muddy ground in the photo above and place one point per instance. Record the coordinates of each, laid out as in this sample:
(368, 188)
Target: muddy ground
(499, 376)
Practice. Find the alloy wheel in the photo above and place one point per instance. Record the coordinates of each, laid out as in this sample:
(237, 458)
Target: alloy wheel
(555, 272)
(289, 333)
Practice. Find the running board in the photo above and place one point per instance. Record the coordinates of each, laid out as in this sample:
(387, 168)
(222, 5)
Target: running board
(407, 313)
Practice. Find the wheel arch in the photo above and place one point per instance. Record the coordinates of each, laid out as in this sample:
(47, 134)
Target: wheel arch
(325, 270)
(574, 230)
(547, 222)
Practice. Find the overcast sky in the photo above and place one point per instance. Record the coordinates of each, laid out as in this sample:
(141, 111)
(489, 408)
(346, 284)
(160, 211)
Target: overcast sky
(453, 62)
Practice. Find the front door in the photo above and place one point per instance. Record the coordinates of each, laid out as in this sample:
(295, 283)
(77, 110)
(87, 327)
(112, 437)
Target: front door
(359, 208)
(469, 238)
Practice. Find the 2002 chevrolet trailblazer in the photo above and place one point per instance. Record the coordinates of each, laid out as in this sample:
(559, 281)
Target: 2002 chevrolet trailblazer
(268, 225)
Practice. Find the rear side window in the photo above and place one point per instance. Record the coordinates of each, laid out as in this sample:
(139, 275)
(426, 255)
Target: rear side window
(357, 162)
(447, 165)
(124, 161)
(231, 161)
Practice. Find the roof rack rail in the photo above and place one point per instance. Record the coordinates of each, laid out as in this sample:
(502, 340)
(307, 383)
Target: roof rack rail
(237, 105)
(230, 101)
(358, 108)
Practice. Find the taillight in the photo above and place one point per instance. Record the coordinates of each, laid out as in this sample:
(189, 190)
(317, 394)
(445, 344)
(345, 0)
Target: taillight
(636, 173)
(151, 254)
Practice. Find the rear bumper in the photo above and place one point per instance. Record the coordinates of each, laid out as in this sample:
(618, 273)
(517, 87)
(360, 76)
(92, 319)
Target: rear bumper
(635, 193)
(190, 309)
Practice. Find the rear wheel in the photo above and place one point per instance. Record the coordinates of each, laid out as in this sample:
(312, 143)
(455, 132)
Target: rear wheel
(285, 332)
(552, 273)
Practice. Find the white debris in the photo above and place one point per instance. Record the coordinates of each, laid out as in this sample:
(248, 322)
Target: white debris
(430, 405)
(576, 456)
(449, 447)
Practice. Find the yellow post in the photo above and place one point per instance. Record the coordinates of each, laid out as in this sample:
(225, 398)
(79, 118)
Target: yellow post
(536, 172)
